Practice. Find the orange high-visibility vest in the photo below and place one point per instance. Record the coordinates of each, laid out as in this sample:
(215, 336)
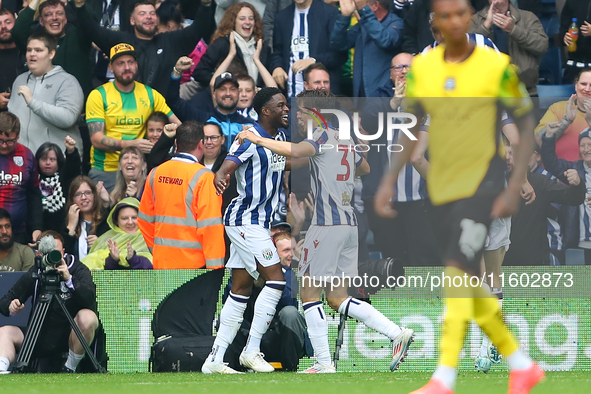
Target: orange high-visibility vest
(181, 216)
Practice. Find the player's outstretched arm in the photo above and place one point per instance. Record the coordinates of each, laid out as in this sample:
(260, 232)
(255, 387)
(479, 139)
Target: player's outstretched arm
(283, 148)
(417, 157)
(507, 202)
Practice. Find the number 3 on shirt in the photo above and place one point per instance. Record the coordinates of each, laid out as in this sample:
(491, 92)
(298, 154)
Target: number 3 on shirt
(344, 177)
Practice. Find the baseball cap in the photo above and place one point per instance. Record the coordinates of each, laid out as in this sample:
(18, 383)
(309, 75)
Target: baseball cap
(224, 77)
(585, 133)
(120, 50)
(284, 225)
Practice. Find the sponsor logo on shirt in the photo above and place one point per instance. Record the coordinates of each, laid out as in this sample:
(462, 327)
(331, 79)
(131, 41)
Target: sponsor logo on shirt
(299, 44)
(11, 179)
(130, 121)
(277, 163)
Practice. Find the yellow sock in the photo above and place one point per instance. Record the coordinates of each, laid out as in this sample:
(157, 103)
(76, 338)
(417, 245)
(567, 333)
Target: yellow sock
(487, 314)
(460, 307)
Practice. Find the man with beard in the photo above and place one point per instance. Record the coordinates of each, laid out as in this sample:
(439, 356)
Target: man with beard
(158, 51)
(73, 47)
(10, 59)
(116, 112)
(13, 256)
(225, 95)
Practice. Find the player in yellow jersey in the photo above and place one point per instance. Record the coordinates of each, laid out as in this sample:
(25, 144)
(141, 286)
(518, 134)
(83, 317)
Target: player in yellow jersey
(464, 88)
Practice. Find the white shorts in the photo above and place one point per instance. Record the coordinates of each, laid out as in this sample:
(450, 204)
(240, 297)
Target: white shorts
(251, 245)
(499, 233)
(329, 251)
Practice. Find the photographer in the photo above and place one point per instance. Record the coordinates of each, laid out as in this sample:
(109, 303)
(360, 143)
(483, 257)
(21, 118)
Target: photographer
(79, 295)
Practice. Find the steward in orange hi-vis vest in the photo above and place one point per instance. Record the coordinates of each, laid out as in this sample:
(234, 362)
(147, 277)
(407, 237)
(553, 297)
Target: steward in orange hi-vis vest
(181, 216)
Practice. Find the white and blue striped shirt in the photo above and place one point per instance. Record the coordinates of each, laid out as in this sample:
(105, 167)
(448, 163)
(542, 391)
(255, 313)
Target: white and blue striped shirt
(333, 178)
(554, 229)
(259, 178)
(478, 39)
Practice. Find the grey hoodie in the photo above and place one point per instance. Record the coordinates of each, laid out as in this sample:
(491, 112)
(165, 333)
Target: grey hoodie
(54, 110)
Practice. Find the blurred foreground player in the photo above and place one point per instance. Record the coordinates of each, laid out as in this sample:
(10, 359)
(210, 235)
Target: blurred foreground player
(466, 179)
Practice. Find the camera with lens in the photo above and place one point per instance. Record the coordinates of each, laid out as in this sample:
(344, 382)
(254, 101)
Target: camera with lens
(46, 263)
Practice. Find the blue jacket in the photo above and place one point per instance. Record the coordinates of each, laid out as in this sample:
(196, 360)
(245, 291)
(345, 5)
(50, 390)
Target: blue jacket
(375, 42)
(231, 124)
(321, 19)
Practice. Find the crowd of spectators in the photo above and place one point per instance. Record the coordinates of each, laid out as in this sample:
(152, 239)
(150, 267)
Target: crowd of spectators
(88, 89)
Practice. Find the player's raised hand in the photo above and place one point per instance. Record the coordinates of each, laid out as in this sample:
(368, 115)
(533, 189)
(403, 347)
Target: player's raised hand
(221, 182)
(246, 135)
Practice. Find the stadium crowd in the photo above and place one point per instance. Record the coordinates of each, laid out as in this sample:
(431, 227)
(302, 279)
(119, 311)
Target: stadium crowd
(108, 103)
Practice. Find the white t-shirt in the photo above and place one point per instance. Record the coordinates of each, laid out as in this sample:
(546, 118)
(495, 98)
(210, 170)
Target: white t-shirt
(82, 244)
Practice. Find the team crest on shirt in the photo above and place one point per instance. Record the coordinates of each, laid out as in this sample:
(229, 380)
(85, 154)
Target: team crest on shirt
(267, 254)
(450, 83)
(315, 242)
(18, 160)
(346, 200)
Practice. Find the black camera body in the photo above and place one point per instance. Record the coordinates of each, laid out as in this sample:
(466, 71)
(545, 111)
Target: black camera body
(47, 274)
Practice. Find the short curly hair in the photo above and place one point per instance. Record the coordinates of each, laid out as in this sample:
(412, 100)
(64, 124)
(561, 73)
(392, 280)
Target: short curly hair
(263, 97)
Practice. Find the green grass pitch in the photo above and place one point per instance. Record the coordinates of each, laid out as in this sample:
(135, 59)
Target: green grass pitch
(277, 383)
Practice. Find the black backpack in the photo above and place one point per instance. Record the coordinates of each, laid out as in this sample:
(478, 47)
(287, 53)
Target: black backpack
(182, 325)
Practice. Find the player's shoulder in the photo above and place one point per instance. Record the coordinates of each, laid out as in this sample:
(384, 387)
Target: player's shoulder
(488, 57)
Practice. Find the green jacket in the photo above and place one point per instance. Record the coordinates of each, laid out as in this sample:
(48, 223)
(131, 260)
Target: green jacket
(73, 51)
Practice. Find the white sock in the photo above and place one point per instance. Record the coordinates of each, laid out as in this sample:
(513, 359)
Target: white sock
(318, 331)
(230, 321)
(370, 316)
(518, 360)
(73, 360)
(264, 310)
(446, 375)
(485, 345)
(4, 364)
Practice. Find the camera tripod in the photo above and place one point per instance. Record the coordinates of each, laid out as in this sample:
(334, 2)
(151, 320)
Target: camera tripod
(50, 284)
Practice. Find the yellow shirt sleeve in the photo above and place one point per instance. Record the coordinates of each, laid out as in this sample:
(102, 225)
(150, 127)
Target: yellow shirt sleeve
(160, 104)
(513, 93)
(95, 107)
